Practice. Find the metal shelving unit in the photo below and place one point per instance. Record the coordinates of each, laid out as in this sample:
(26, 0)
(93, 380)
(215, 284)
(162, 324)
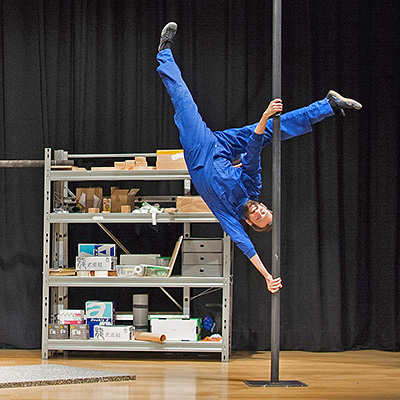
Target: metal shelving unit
(55, 239)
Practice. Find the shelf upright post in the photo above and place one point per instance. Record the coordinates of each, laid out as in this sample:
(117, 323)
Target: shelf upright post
(59, 295)
(46, 253)
(226, 298)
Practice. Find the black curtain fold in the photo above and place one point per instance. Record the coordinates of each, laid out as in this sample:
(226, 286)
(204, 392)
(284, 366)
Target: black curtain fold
(80, 76)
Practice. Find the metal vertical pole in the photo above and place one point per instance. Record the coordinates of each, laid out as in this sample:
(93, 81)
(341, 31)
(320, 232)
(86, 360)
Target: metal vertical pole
(276, 186)
(276, 204)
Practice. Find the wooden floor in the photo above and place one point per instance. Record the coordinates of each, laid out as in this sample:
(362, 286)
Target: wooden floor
(349, 375)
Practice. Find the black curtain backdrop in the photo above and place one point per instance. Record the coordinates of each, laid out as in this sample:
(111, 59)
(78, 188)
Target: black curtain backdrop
(80, 76)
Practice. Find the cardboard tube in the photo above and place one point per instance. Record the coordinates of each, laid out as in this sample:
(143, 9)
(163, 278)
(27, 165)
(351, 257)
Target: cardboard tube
(150, 337)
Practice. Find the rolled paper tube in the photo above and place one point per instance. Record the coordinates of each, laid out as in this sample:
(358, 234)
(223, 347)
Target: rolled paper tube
(150, 337)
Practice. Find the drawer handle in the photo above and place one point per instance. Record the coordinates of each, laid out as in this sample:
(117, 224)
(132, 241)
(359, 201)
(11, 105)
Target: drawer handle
(201, 245)
(201, 270)
(201, 258)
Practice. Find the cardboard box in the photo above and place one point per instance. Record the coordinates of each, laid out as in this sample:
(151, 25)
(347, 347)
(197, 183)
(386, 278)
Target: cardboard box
(89, 198)
(170, 159)
(119, 164)
(79, 332)
(129, 164)
(92, 323)
(89, 249)
(137, 259)
(122, 197)
(58, 331)
(176, 329)
(99, 313)
(114, 333)
(69, 317)
(191, 204)
(102, 311)
(95, 263)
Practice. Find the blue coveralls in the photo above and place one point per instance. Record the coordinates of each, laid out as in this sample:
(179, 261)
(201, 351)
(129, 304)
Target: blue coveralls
(209, 154)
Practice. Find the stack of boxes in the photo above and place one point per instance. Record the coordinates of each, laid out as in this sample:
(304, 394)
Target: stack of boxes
(96, 323)
(92, 199)
(127, 165)
(97, 259)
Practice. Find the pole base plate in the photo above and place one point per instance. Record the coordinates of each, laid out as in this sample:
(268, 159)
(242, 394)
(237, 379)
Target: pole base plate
(275, 384)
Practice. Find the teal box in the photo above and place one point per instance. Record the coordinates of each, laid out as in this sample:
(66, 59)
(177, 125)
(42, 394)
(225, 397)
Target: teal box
(100, 310)
(99, 313)
(87, 250)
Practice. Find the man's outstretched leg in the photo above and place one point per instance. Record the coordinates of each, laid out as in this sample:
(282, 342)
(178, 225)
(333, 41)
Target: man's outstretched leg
(293, 123)
(193, 132)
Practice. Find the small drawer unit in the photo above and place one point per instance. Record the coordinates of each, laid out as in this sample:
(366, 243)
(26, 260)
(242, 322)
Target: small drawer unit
(202, 257)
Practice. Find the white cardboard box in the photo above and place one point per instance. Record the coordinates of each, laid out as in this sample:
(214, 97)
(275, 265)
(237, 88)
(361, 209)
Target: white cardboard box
(68, 317)
(96, 263)
(176, 329)
(114, 333)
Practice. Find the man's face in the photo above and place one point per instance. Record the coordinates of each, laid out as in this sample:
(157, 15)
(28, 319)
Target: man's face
(259, 215)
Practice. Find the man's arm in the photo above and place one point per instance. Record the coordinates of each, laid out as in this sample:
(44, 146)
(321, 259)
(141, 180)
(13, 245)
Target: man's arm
(273, 284)
(251, 161)
(275, 106)
(238, 235)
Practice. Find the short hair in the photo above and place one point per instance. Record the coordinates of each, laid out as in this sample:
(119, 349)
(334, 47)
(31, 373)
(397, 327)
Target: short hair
(246, 213)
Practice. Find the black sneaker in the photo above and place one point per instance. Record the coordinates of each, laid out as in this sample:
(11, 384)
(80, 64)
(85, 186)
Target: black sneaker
(167, 34)
(338, 102)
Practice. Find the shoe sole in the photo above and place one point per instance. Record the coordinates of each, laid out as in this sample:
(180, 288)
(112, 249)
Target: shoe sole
(170, 25)
(350, 102)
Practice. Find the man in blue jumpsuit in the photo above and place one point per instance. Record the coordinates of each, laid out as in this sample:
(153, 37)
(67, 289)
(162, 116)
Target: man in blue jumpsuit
(232, 192)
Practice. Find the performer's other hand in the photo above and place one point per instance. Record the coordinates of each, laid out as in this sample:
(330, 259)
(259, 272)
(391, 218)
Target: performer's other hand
(273, 285)
(275, 106)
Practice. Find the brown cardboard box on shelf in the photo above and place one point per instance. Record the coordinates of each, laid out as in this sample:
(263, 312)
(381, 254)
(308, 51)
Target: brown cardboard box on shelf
(170, 159)
(119, 164)
(191, 204)
(129, 164)
(89, 198)
(126, 209)
(122, 197)
(140, 163)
